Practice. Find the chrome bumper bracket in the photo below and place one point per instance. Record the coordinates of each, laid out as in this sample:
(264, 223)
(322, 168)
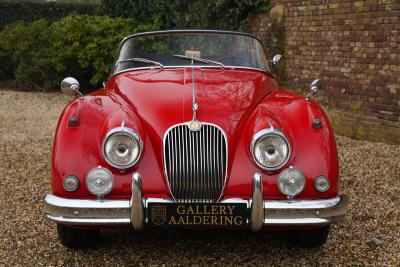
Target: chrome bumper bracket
(136, 203)
(257, 210)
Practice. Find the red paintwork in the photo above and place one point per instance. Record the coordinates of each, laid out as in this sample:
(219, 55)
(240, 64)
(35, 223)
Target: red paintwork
(240, 101)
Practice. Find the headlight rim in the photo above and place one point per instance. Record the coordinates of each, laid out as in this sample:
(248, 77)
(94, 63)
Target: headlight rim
(269, 131)
(127, 131)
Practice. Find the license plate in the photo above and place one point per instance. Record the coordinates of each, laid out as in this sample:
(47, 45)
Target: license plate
(208, 215)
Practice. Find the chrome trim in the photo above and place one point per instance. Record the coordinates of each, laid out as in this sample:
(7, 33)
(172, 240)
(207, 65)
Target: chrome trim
(285, 212)
(71, 203)
(194, 125)
(314, 87)
(127, 131)
(302, 204)
(86, 211)
(257, 211)
(70, 86)
(296, 221)
(304, 212)
(136, 203)
(199, 163)
(262, 133)
(237, 201)
(276, 58)
(89, 221)
(190, 31)
(119, 212)
(188, 66)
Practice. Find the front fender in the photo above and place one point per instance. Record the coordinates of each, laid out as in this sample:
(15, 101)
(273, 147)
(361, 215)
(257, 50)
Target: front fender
(314, 150)
(78, 148)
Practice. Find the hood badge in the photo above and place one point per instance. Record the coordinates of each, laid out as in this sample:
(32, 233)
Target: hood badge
(194, 125)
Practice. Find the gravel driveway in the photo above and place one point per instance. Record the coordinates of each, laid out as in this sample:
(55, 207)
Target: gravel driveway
(370, 233)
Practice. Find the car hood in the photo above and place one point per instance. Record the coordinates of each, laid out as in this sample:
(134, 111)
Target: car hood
(163, 98)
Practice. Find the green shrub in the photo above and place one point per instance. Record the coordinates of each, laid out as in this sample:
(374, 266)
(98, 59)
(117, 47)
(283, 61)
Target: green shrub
(205, 14)
(28, 11)
(8, 37)
(86, 45)
(23, 52)
(38, 56)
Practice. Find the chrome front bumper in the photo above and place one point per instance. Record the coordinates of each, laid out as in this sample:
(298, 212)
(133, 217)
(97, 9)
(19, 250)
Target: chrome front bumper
(132, 212)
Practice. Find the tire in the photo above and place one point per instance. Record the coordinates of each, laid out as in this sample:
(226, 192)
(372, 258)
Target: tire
(311, 238)
(77, 238)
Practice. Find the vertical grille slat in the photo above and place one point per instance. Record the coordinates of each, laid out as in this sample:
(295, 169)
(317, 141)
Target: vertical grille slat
(209, 180)
(190, 163)
(203, 165)
(195, 163)
(217, 159)
(214, 151)
(222, 159)
(179, 163)
(184, 158)
(170, 167)
(207, 176)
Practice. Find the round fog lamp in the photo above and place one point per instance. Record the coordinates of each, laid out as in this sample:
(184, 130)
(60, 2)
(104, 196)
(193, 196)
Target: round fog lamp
(291, 182)
(99, 181)
(321, 184)
(70, 183)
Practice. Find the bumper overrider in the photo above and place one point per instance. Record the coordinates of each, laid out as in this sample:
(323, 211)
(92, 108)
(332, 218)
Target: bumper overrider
(93, 212)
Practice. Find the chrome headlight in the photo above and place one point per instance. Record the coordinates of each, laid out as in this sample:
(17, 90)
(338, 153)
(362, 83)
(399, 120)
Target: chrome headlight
(122, 147)
(270, 149)
(99, 181)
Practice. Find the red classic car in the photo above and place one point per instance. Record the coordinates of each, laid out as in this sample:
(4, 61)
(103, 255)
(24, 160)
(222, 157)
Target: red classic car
(192, 130)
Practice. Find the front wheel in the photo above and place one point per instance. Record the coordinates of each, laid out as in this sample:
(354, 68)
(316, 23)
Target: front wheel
(311, 238)
(77, 238)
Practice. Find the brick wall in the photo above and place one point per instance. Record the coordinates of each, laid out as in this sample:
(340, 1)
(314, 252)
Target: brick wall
(354, 46)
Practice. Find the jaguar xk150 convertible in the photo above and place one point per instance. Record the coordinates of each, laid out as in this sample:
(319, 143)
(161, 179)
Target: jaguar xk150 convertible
(192, 130)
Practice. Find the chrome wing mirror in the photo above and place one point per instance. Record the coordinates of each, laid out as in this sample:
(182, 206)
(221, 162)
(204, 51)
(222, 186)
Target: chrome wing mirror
(70, 86)
(314, 87)
(275, 60)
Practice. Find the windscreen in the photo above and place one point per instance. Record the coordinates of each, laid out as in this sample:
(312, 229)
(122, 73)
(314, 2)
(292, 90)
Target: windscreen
(177, 49)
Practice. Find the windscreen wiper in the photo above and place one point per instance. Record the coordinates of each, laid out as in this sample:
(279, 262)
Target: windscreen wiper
(208, 61)
(139, 59)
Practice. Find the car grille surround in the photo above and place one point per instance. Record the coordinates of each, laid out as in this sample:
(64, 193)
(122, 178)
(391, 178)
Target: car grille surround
(195, 162)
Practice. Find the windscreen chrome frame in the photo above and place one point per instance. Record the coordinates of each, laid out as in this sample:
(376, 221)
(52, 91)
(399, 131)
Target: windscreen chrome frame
(112, 73)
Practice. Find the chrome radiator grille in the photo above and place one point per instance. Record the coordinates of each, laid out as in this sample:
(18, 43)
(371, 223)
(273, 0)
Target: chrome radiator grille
(195, 162)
